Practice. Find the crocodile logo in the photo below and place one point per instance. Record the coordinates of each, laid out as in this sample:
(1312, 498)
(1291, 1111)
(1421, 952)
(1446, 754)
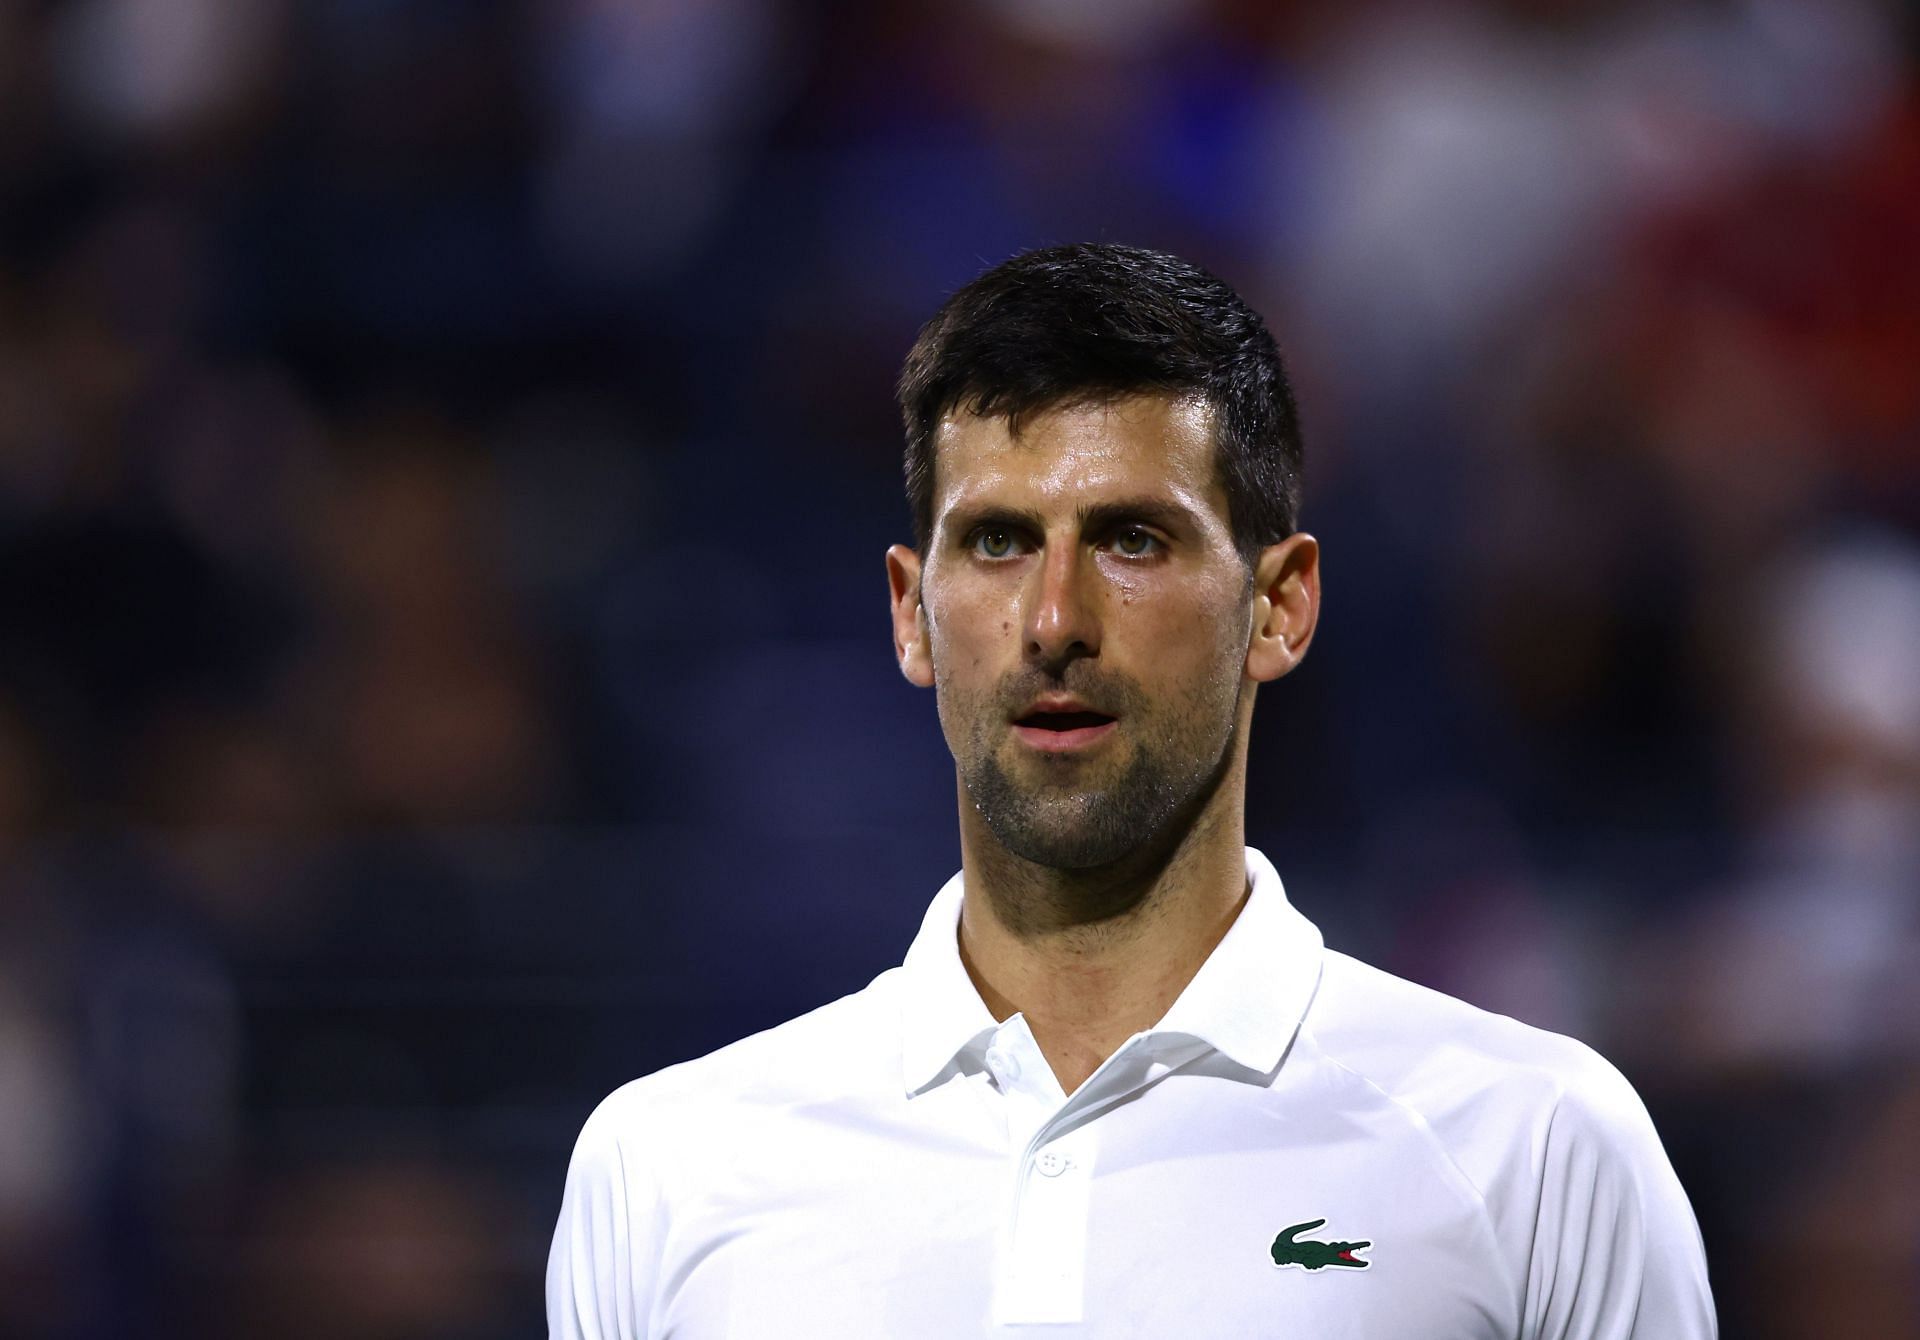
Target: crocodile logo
(1310, 1255)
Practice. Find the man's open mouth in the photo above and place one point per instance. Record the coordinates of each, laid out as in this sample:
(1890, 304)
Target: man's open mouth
(1063, 721)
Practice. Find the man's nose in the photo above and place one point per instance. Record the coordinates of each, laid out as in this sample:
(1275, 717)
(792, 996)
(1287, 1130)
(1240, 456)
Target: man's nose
(1062, 617)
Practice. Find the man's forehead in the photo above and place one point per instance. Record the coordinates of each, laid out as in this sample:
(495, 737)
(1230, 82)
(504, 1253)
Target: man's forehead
(1138, 444)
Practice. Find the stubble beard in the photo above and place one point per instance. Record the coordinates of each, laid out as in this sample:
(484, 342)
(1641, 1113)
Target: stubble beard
(1100, 812)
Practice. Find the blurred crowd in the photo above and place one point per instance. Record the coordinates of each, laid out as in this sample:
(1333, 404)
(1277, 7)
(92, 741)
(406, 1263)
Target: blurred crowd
(446, 452)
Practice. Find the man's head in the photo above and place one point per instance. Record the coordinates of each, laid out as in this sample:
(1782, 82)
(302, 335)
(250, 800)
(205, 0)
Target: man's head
(1097, 589)
(1086, 323)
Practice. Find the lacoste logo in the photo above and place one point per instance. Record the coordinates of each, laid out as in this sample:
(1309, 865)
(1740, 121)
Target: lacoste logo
(1287, 1251)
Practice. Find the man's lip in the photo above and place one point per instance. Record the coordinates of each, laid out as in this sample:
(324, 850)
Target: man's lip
(1063, 741)
(1057, 704)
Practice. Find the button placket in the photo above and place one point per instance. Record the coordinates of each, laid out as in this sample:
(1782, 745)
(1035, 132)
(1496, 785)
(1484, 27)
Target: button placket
(1042, 1276)
(1045, 1276)
(1042, 1255)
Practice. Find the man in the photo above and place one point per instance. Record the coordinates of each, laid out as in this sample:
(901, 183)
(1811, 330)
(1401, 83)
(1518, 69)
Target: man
(1119, 1088)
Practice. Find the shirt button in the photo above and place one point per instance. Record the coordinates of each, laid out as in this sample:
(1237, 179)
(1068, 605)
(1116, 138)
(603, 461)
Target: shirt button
(1051, 1164)
(1004, 1065)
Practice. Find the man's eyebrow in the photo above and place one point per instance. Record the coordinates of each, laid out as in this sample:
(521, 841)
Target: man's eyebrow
(964, 518)
(1161, 512)
(1093, 516)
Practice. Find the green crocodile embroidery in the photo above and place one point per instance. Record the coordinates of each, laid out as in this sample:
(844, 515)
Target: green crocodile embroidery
(1314, 1255)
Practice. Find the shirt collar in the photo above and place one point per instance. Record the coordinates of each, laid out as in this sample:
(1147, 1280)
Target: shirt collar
(1250, 995)
(945, 1017)
(1246, 1001)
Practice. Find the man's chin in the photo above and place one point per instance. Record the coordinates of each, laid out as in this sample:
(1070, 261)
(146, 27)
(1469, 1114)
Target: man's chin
(1069, 851)
(1061, 828)
(1078, 816)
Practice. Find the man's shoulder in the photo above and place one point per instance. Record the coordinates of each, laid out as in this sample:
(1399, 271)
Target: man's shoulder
(1487, 1085)
(843, 1048)
(1551, 1138)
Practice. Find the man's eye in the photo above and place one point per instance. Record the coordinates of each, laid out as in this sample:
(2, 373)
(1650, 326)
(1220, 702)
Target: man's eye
(994, 543)
(1135, 542)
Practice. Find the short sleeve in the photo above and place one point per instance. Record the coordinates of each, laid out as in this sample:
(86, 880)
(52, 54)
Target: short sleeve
(601, 1268)
(1616, 1252)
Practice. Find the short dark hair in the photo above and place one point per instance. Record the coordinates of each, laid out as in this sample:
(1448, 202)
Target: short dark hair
(1092, 322)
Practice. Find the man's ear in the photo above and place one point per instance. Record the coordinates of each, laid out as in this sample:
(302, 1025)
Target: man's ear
(1286, 606)
(909, 619)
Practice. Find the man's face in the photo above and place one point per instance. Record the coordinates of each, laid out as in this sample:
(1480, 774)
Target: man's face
(1087, 622)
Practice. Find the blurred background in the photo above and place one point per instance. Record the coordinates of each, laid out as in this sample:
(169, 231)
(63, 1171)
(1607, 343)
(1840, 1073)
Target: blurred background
(446, 454)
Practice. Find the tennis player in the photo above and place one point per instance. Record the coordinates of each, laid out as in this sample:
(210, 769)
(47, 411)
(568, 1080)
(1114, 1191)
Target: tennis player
(1119, 1087)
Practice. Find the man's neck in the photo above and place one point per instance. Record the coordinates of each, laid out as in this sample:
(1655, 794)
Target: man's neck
(1091, 958)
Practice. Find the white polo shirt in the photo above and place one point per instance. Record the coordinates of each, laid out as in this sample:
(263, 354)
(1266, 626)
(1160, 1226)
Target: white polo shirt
(1304, 1147)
